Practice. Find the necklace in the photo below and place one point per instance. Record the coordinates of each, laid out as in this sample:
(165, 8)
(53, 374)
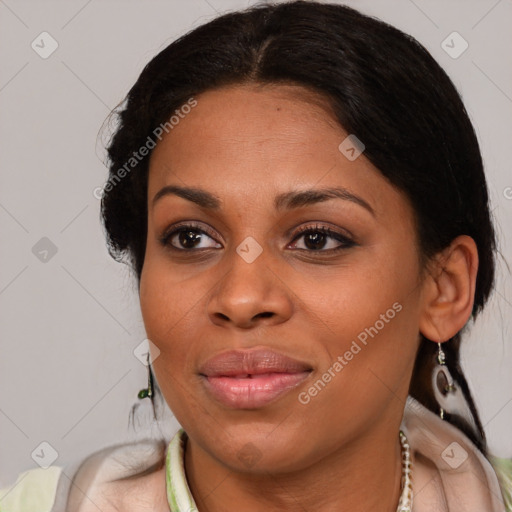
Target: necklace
(405, 502)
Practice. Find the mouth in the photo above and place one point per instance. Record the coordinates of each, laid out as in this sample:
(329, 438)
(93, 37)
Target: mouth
(251, 379)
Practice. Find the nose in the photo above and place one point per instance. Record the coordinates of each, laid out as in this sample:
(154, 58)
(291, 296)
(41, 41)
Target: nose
(250, 294)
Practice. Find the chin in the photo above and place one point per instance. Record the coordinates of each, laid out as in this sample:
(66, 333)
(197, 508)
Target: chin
(247, 448)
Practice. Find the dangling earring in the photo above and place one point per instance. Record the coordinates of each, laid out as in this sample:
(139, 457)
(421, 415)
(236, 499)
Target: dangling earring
(147, 392)
(449, 395)
(442, 382)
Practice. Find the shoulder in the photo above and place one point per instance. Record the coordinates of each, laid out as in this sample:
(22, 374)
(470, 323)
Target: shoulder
(503, 469)
(33, 490)
(119, 476)
(454, 470)
(107, 479)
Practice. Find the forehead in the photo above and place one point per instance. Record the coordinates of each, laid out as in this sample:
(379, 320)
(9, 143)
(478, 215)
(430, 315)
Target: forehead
(269, 117)
(252, 140)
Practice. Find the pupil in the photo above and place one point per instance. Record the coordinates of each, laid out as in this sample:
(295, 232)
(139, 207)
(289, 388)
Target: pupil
(317, 239)
(188, 238)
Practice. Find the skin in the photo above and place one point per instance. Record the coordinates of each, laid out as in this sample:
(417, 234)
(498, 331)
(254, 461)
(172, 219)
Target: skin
(246, 144)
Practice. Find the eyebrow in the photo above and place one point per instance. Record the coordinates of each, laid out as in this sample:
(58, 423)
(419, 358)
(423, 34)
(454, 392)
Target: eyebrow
(287, 200)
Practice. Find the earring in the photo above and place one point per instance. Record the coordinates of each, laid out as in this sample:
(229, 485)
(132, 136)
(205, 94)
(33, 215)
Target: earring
(450, 396)
(442, 382)
(147, 392)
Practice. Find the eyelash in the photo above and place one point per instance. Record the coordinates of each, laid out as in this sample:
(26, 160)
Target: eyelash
(345, 241)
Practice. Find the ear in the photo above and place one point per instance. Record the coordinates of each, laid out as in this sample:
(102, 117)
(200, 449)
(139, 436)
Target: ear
(449, 290)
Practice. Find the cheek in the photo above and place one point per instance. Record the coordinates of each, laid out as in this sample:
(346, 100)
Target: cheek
(369, 314)
(165, 298)
(162, 302)
(172, 308)
(167, 311)
(355, 297)
(156, 303)
(373, 327)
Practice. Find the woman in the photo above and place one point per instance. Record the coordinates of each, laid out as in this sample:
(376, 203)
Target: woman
(301, 196)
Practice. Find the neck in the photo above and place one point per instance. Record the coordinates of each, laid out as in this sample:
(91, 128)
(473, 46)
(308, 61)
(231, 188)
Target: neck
(364, 476)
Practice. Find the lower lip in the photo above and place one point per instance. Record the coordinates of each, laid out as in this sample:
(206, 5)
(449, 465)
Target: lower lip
(252, 392)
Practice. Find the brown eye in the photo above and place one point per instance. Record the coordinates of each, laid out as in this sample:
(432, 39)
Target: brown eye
(188, 238)
(322, 239)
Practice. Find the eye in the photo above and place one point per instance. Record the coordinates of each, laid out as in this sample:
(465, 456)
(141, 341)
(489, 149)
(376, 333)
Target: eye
(189, 237)
(321, 239)
(192, 237)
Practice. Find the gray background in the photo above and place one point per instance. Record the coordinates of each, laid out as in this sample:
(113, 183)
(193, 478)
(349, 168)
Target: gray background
(69, 324)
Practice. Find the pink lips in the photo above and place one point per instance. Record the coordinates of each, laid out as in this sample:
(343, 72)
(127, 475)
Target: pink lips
(249, 379)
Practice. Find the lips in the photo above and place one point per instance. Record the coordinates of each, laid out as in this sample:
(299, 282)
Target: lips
(249, 379)
(251, 362)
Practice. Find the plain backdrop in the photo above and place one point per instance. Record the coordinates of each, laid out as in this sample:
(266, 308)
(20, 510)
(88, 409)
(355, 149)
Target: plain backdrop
(70, 319)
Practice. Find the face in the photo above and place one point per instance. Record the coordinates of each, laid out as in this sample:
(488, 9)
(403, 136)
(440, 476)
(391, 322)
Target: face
(286, 316)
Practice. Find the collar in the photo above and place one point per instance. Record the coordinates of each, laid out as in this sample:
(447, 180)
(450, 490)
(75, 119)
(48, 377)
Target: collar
(178, 492)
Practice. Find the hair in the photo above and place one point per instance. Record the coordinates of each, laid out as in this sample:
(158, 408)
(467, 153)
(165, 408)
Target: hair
(383, 86)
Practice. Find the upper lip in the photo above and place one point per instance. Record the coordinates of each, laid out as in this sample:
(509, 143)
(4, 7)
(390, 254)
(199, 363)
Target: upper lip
(252, 362)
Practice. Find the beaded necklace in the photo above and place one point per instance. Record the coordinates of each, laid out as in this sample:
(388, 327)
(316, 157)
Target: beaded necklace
(405, 502)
